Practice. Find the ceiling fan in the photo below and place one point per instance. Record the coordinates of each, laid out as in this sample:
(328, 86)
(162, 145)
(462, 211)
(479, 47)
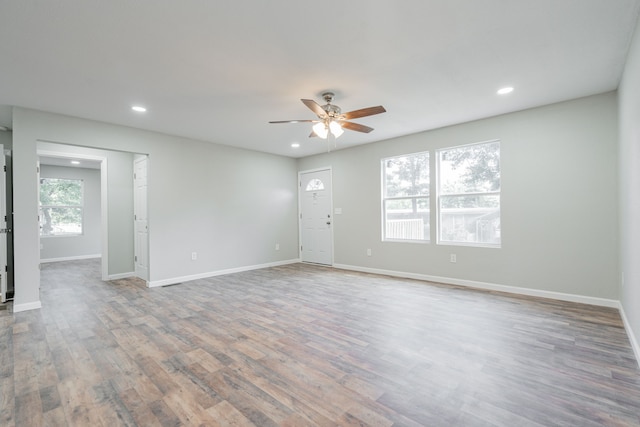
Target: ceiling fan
(331, 120)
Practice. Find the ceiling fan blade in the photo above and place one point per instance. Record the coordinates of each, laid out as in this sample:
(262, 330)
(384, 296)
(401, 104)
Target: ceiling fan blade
(355, 126)
(293, 121)
(313, 134)
(315, 107)
(363, 112)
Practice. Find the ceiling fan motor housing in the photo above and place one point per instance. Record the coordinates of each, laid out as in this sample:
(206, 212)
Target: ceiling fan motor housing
(333, 111)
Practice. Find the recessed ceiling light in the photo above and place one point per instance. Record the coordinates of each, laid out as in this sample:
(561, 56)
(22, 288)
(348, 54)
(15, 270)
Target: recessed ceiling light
(505, 90)
(295, 145)
(138, 108)
(75, 162)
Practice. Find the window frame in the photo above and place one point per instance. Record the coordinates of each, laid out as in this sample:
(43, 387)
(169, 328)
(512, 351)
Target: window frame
(384, 199)
(41, 208)
(440, 195)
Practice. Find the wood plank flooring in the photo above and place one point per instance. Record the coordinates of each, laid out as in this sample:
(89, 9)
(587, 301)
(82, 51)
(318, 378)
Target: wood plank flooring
(303, 345)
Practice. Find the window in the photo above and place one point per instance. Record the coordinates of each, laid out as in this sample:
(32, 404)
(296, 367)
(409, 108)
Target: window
(469, 194)
(315, 185)
(61, 207)
(405, 197)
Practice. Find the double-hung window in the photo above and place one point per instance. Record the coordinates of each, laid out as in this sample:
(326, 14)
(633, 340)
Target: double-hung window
(469, 194)
(61, 207)
(405, 198)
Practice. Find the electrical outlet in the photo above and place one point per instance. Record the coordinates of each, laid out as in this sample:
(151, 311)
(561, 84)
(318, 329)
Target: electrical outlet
(277, 246)
(194, 256)
(368, 252)
(453, 258)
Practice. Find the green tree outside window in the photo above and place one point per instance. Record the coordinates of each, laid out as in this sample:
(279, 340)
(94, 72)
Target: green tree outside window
(61, 206)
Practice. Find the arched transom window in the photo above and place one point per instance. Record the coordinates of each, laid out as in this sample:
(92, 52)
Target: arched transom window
(315, 185)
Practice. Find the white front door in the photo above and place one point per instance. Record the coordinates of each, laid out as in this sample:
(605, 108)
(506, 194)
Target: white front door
(3, 227)
(141, 226)
(316, 221)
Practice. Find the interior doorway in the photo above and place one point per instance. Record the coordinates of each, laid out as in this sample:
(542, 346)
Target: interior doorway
(8, 217)
(117, 205)
(66, 161)
(4, 230)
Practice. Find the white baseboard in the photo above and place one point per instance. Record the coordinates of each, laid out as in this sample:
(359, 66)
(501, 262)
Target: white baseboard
(70, 258)
(28, 306)
(488, 286)
(121, 276)
(174, 280)
(631, 335)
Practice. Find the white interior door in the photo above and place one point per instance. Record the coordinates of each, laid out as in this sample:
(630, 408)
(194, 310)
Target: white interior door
(316, 237)
(141, 225)
(3, 227)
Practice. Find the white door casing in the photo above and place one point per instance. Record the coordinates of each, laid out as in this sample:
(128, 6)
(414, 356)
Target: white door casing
(316, 220)
(141, 225)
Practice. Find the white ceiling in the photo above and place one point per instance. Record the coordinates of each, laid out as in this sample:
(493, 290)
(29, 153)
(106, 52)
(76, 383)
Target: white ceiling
(219, 71)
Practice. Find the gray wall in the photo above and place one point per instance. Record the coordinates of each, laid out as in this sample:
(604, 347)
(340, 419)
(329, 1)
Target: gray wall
(558, 212)
(87, 244)
(629, 96)
(230, 205)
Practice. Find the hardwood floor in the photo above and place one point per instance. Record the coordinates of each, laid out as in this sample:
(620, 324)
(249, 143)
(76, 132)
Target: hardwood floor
(304, 345)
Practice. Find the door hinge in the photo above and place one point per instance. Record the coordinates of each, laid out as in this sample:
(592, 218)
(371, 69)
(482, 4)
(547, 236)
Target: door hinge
(300, 248)
(135, 258)
(5, 168)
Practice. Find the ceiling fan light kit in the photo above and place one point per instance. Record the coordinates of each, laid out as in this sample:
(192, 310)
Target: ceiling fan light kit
(320, 129)
(335, 128)
(331, 120)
